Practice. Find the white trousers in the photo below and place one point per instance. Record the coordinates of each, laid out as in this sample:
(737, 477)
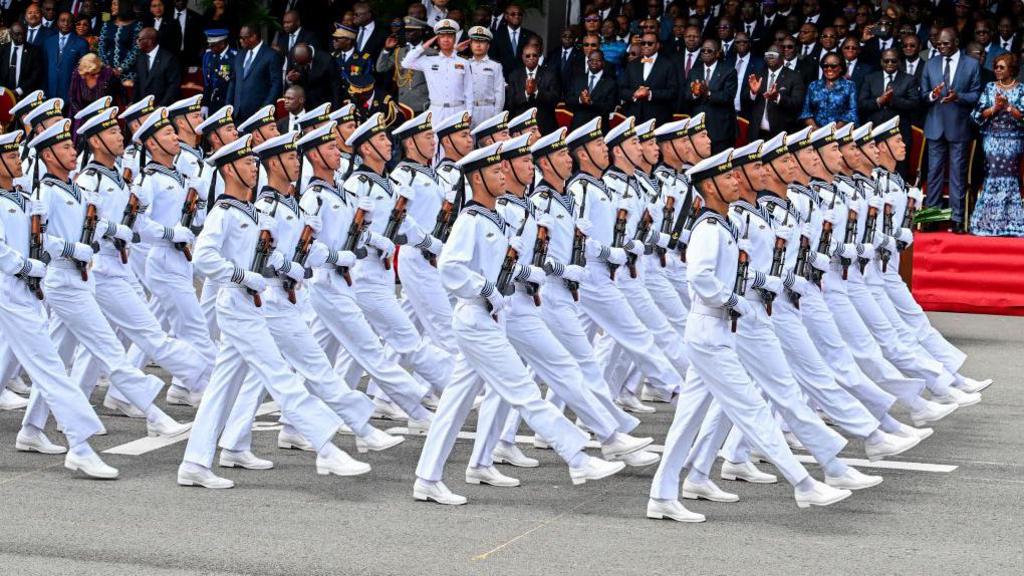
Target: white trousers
(421, 285)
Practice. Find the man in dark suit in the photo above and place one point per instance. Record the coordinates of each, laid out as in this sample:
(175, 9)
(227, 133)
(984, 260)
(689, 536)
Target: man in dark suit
(650, 87)
(314, 71)
(370, 35)
(808, 42)
(774, 97)
(532, 85)
(593, 94)
(509, 40)
(35, 32)
(61, 52)
(21, 64)
(193, 41)
(950, 87)
(913, 64)
(168, 31)
(157, 71)
(292, 33)
(745, 63)
(295, 106)
(567, 59)
(752, 24)
(882, 39)
(856, 68)
(257, 78)
(711, 88)
(1009, 37)
(889, 92)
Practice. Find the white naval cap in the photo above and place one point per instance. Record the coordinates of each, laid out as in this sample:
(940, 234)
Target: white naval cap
(774, 147)
(98, 122)
(480, 158)
(746, 154)
(322, 134)
(52, 108)
(710, 167)
(185, 106)
(823, 136)
(672, 130)
(345, 113)
(11, 142)
(259, 119)
(139, 109)
(491, 126)
(55, 134)
(372, 126)
(94, 107)
(515, 147)
(413, 126)
(843, 133)
(31, 100)
(154, 122)
(276, 145)
(799, 139)
(862, 134)
(452, 124)
(214, 121)
(645, 130)
(231, 151)
(314, 117)
(621, 132)
(548, 144)
(480, 33)
(695, 124)
(447, 26)
(586, 133)
(887, 129)
(522, 122)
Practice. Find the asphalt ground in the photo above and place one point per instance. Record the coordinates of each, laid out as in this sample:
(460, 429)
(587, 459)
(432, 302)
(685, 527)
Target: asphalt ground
(926, 518)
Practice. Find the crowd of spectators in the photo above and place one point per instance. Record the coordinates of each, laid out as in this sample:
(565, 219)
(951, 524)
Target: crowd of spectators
(948, 67)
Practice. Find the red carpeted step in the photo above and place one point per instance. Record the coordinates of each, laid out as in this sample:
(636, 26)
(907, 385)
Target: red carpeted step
(969, 273)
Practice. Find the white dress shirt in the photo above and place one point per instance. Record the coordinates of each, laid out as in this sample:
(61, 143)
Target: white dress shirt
(742, 62)
(649, 64)
(952, 71)
(16, 53)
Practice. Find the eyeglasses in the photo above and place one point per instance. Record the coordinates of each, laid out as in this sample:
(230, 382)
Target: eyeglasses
(983, 32)
(531, 56)
(590, 44)
(707, 50)
(647, 43)
(724, 26)
(1000, 66)
(943, 43)
(889, 60)
(789, 46)
(742, 41)
(830, 66)
(592, 19)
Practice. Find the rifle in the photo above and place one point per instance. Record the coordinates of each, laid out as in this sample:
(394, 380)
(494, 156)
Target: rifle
(394, 223)
(264, 246)
(680, 224)
(740, 287)
(908, 218)
(448, 213)
(618, 237)
(131, 213)
(851, 235)
(778, 257)
(826, 238)
(301, 253)
(869, 234)
(579, 242)
(88, 237)
(188, 214)
(666, 227)
(355, 230)
(35, 238)
(504, 284)
(800, 268)
(643, 230)
(886, 227)
(540, 252)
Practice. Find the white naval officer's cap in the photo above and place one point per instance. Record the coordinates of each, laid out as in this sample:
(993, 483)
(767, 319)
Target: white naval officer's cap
(214, 121)
(710, 167)
(232, 151)
(259, 119)
(862, 134)
(31, 100)
(322, 134)
(185, 106)
(843, 133)
(695, 124)
(413, 126)
(137, 110)
(447, 26)
(621, 132)
(55, 134)
(774, 147)
(823, 136)
(276, 146)
(480, 158)
(491, 126)
(521, 123)
(345, 113)
(98, 122)
(548, 144)
(154, 122)
(516, 147)
(11, 142)
(372, 126)
(645, 130)
(314, 117)
(52, 108)
(671, 130)
(452, 124)
(480, 33)
(887, 129)
(746, 154)
(798, 140)
(94, 107)
(586, 133)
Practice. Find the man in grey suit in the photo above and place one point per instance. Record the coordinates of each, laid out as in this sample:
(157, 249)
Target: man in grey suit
(950, 87)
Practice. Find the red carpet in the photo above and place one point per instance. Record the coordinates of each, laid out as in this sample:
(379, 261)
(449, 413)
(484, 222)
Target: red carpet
(969, 274)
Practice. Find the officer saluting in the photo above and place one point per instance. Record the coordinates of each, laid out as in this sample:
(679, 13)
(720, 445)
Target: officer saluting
(449, 78)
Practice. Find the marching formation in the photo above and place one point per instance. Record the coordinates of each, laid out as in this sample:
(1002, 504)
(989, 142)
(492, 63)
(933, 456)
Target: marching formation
(755, 292)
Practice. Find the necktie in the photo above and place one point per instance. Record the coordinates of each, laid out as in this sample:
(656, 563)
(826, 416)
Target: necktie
(359, 40)
(180, 17)
(151, 57)
(247, 63)
(750, 28)
(74, 7)
(590, 85)
(565, 56)
(888, 81)
(768, 21)
(910, 68)
(32, 36)
(515, 40)
(933, 53)
(689, 63)
(771, 81)
(807, 49)
(63, 41)
(291, 41)
(739, 66)
(945, 72)
(707, 73)
(15, 53)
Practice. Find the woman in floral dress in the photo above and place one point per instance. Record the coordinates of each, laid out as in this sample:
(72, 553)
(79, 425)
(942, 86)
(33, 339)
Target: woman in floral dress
(117, 40)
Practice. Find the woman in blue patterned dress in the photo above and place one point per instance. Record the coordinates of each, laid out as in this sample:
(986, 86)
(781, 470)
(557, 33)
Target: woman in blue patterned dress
(117, 40)
(1000, 110)
(831, 98)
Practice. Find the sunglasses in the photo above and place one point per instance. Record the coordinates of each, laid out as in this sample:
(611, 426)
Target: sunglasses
(531, 56)
(889, 60)
(647, 43)
(590, 44)
(1000, 66)
(982, 31)
(830, 66)
(707, 50)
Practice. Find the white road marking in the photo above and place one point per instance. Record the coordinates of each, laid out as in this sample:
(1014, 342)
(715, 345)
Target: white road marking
(144, 445)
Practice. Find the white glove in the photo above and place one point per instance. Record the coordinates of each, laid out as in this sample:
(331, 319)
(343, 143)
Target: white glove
(659, 239)
(365, 204)
(684, 237)
(346, 259)
(805, 229)
(916, 194)
(744, 307)
(449, 196)
(82, 252)
(574, 273)
(254, 281)
(905, 235)
(772, 284)
(844, 250)
(267, 222)
(120, 231)
(34, 268)
(293, 270)
(498, 301)
(592, 247)
(275, 260)
(616, 256)
(784, 232)
(584, 226)
(829, 216)
(386, 247)
(181, 234)
(819, 261)
(197, 184)
(517, 244)
(144, 194)
(102, 227)
(797, 284)
(434, 246)
(91, 197)
(314, 221)
(545, 220)
(407, 192)
(318, 253)
(37, 208)
(635, 247)
(868, 250)
(531, 274)
(745, 245)
(411, 231)
(876, 202)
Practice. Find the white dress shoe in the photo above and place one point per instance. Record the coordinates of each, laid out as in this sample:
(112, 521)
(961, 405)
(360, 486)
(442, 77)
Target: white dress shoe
(540, 443)
(853, 480)
(821, 495)
(340, 464)
(491, 476)
(90, 465)
(640, 458)
(510, 454)
(959, 397)
(246, 460)
(672, 510)
(18, 386)
(793, 442)
(630, 403)
(969, 385)
(747, 472)
(911, 432)
(377, 440)
(621, 444)
(104, 381)
(436, 492)
(707, 491)
(430, 402)
(418, 427)
(166, 427)
(932, 412)
(36, 442)
(124, 408)
(890, 445)
(344, 430)
(650, 394)
(384, 410)
(178, 396)
(288, 440)
(11, 401)
(595, 469)
(193, 475)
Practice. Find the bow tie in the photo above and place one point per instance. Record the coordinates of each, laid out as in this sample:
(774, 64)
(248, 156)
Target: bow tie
(647, 60)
